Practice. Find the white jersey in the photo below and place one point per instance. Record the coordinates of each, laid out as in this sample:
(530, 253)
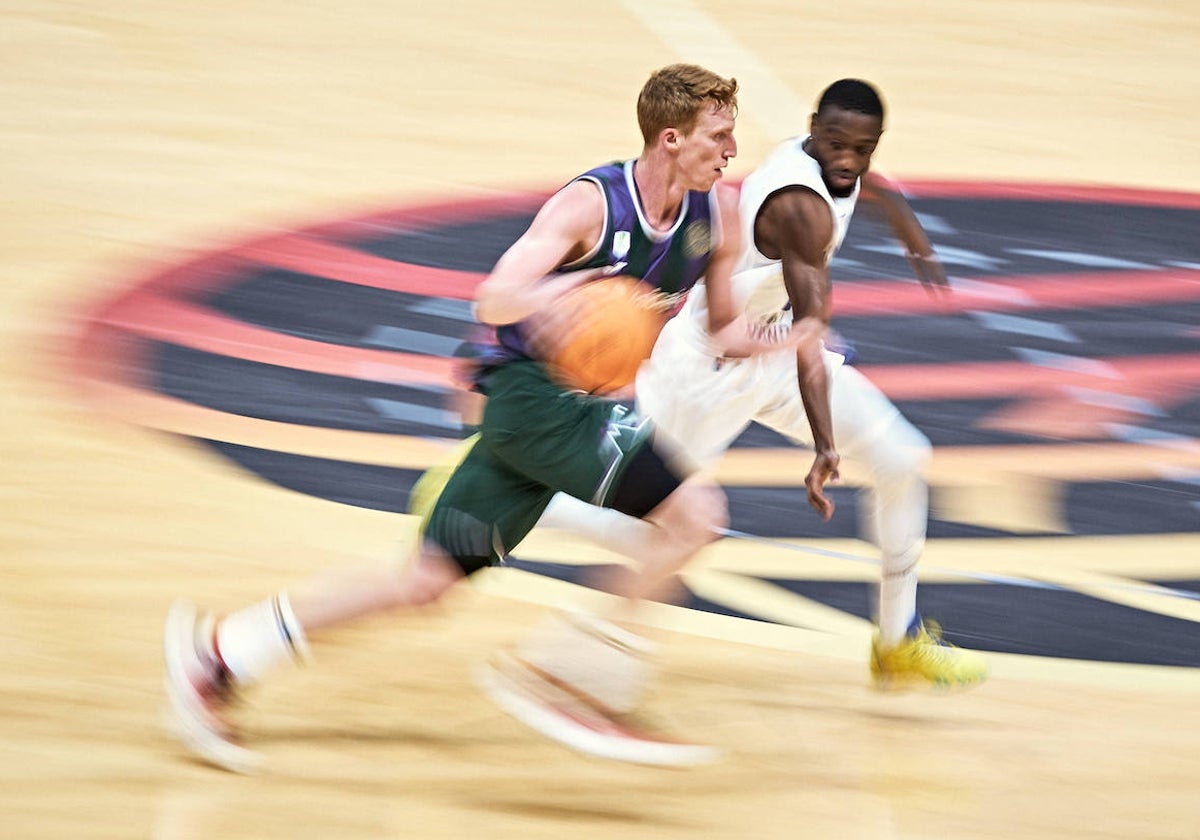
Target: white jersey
(700, 404)
(758, 286)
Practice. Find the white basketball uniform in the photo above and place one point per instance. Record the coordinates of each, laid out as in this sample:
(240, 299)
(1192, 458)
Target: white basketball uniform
(704, 402)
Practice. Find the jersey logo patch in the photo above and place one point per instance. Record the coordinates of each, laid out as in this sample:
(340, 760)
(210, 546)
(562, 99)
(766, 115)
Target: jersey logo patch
(620, 244)
(697, 240)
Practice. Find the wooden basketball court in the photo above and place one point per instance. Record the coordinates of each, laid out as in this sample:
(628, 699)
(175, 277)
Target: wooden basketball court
(140, 134)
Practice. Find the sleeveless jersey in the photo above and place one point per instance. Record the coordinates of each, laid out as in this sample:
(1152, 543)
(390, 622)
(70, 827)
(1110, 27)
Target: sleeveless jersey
(758, 286)
(671, 261)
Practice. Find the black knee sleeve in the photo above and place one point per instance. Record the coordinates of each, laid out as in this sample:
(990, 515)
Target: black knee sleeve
(646, 482)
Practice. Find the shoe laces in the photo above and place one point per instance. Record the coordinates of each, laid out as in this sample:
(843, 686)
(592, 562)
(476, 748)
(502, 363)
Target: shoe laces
(933, 630)
(217, 681)
(931, 646)
(220, 684)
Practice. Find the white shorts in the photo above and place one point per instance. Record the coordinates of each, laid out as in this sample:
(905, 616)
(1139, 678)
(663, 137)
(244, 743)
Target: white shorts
(703, 405)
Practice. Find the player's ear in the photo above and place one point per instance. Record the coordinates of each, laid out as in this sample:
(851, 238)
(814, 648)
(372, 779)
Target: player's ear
(671, 137)
(813, 119)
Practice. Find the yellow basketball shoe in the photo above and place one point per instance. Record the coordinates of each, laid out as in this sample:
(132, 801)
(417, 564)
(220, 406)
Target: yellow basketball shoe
(429, 486)
(925, 660)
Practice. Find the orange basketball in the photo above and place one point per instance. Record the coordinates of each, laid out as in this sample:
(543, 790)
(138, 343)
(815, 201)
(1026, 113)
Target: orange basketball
(617, 328)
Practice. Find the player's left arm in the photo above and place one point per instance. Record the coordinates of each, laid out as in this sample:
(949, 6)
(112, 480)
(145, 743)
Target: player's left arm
(907, 228)
(524, 280)
(727, 322)
(718, 277)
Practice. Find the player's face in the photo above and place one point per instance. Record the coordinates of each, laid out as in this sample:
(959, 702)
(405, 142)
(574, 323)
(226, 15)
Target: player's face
(843, 142)
(707, 148)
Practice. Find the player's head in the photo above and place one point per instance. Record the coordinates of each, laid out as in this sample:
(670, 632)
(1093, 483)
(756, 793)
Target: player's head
(690, 112)
(677, 95)
(845, 130)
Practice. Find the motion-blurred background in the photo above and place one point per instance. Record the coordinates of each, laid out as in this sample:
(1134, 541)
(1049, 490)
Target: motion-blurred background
(151, 147)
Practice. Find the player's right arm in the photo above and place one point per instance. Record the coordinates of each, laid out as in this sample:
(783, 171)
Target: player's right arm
(907, 228)
(795, 226)
(728, 325)
(523, 280)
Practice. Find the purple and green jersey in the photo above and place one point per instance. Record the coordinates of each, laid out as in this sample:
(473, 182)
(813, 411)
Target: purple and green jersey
(671, 261)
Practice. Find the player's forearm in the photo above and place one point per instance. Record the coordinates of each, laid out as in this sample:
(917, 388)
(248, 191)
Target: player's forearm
(741, 338)
(814, 392)
(905, 225)
(501, 300)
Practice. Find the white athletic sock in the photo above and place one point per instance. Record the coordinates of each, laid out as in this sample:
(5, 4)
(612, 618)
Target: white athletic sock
(255, 639)
(608, 528)
(897, 596)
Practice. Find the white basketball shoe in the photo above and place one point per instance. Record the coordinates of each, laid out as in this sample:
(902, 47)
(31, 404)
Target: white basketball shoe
(200, 690)
(577, 680)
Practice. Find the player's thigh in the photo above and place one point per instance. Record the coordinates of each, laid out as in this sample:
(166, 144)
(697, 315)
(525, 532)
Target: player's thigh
(780, 404)
(861, 412)
(695, 512)
(567, 441)
(699, 404)
(429, 486)
(867, 426)
(484, 510)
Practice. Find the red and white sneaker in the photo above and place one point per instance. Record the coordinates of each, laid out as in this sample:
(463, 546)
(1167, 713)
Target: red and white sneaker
(575, 720)
(200, 690)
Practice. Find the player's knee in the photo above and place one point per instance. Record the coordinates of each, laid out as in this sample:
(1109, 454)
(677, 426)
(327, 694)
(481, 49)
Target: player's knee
(915, 452)
(713, 510)
(902, 452)
(432, 574)
(696, 512)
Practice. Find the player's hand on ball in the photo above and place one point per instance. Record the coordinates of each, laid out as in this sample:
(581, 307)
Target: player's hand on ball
(595, 337)
(549, 330)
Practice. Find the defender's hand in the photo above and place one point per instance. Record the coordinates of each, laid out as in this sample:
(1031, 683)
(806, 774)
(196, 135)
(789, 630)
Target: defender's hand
(824, 471)
(928, 269)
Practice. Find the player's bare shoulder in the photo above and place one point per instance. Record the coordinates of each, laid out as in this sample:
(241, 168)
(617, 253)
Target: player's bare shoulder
(730, 240)
(577, 212)
(794, 219)
(727, 196)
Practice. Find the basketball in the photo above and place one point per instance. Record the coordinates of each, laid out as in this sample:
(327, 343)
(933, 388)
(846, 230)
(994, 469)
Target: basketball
(618, 325)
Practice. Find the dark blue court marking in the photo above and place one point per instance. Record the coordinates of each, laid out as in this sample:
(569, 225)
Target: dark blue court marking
(585, 574)
(317, 309)
(990, 230)
(1088, 509)
(271, 392)
(783, 512)
(286, 395)
(991, 227)
(1144, 330)
(311, 307)
(944, 422)
(999, 618)
(1132, 507)
(360, 485)
(958, 422)
(995, 227)
(1185, 585)
(1028, 620)
(465, 246)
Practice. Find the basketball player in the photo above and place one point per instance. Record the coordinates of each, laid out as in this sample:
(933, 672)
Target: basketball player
(661, 217)
(795, 209)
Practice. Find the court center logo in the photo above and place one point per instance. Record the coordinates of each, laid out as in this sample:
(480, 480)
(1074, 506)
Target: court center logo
(1060, 384)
